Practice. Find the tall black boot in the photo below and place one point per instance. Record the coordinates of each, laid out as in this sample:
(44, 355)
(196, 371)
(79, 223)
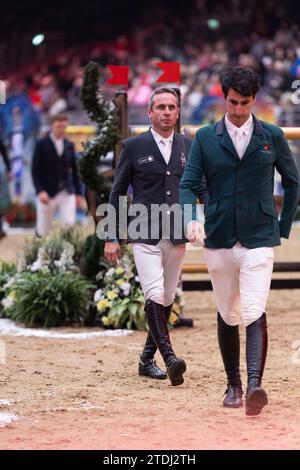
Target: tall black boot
(159, 329)
(147, 363)
(229, 343)
(256, 353)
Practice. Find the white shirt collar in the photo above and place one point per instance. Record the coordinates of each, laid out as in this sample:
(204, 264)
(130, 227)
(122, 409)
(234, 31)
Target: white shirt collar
(244, 129)
(55, 139)
(159, 138)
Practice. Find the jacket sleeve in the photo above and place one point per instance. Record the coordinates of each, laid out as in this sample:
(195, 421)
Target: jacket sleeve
(122, 179)
(5, 156)
(290, 182)
(74, 166)
(36, 169)
(191, 181)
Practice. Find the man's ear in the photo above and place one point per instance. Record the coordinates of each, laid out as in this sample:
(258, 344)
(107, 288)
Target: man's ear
(149, 112)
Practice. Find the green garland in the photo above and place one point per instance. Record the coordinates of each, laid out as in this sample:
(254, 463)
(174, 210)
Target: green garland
(104, 114)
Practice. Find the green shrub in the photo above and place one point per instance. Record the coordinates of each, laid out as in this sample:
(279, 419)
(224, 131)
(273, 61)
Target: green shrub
(7, 271)
(75, 237)
(50, 300)
(29, 253)
(53, 255)
(92, 259)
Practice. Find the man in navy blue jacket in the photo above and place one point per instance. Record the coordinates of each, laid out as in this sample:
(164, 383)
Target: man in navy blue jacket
(153, 164)
(55, 177)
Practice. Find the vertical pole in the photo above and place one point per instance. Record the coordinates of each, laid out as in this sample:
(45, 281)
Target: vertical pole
(178, 123)
(122, 106)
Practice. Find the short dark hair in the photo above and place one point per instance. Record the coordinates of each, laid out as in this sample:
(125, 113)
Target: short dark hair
(243, 80)
(159, 91)
(59, 117)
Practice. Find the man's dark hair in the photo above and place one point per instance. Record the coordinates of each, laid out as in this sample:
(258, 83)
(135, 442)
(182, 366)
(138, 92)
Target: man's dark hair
(159, 91)
(59, 117)
(243, 80)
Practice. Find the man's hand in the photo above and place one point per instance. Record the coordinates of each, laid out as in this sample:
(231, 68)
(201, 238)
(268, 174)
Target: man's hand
(196, 233)
(44, 197)
(112, 251)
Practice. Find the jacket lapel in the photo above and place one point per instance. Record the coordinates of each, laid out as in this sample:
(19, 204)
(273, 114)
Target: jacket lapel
(177, 152)
(255, 141)
(52, 147)
(225, 140)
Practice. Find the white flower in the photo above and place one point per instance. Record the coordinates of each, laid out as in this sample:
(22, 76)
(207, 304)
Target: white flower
(36, 266)
(98, 295)
(126, 288)
(110, 272)
(137, 279)
(8, 301)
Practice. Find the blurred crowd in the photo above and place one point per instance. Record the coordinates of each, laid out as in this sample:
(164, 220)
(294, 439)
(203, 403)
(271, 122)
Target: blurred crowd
(204, 37)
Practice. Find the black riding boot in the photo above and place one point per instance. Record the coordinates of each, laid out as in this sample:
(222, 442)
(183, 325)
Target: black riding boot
(256, 353)
(229, 343)
(147, 363)
(158, 326)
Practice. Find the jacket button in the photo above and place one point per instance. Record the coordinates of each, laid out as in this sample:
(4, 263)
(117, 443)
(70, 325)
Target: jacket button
(168, 193)
(168, 173)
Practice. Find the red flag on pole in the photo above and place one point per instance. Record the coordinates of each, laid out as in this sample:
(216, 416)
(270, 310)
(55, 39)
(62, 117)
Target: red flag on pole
(119, 75)
(171, 72)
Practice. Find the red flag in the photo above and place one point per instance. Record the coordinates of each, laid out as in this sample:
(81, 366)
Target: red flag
(171, 72)
(119, 75)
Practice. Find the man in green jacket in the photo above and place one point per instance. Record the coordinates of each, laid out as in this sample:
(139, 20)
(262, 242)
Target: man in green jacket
(238, 156)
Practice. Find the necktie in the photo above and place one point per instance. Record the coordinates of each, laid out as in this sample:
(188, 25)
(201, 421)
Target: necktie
(239, 142)
(166, 149)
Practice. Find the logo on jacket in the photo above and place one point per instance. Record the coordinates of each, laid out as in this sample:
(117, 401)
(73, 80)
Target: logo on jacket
(267, 148)
(147, 159)
(183, 159)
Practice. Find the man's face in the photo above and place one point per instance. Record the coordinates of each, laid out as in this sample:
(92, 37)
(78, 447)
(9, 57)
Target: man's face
(59, 129)
(238, 107)
(164, 112)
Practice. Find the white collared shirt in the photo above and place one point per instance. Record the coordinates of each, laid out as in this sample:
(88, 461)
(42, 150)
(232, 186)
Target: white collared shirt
(58, 143)
(240, 136)
(164, 144)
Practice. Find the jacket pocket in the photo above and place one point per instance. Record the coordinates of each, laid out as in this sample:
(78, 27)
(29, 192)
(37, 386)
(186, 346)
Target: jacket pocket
(266, 158)
(212, 207)
(267, 207)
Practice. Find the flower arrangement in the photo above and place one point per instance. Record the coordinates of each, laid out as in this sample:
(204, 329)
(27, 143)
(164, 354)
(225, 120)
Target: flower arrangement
(53, 284)
(120, 300)
(47, 288)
